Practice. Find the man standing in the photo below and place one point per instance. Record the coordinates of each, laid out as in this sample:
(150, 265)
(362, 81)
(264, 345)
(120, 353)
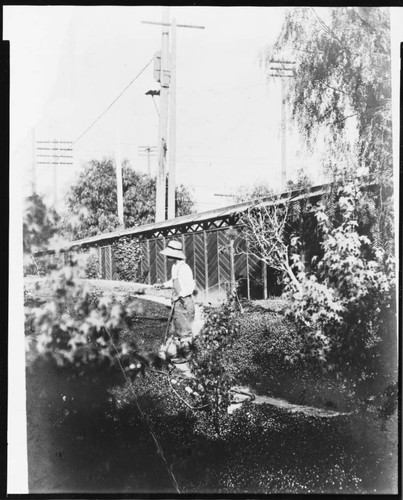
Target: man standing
(183, 307)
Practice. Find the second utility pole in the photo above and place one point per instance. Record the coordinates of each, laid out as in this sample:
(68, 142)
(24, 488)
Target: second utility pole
(172, 130)
(282, 69)
(163, 122)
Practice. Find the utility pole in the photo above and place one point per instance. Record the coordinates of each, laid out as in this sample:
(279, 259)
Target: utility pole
(172, 129)
(283, 138)
(147, 151)
(282, 69)
(118, 167)
(164, 72)
(163, 122)
(54, 153)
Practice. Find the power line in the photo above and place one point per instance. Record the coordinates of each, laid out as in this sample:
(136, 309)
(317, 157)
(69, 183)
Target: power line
(113, 102)
(43, 171)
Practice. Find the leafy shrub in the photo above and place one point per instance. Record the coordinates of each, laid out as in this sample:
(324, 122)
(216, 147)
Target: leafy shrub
(345, 303)
(263, 343)
(210, 364)
(92, 265)
(127, 256)
(39, 224)
(74, 331)
(42, 265)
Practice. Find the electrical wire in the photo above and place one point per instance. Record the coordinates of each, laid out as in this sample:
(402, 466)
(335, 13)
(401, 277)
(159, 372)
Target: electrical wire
(113, 102)
(325, 27)
(331, 33)
(155, 104)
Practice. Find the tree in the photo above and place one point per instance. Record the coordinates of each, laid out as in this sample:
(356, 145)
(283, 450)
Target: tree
(342, 71)
(256, 191)
(302, 181)
(343, 76)
(265, 226)
(39, 223)
(344, 301)
(93, 200)
(348, 298)
(40, 226)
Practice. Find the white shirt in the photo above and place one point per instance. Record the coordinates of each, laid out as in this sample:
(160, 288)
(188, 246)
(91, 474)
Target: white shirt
(182, 272)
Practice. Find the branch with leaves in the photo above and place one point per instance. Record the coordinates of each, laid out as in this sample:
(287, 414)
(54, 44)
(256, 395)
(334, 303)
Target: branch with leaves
(266, 228)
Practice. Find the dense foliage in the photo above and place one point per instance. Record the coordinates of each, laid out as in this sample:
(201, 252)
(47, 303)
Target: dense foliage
(210, 365)
(40, 226)
(127, 257)
(39, 223)
(92, 200)
(75, 328)
(258, 190)
(340, 92)
(345, 304)
(92, 270)
(342, 300)
(342, 70)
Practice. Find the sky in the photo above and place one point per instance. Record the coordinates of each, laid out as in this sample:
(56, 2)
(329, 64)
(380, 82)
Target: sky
(68, 63)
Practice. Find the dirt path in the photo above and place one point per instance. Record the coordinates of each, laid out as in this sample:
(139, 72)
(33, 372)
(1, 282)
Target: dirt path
(292, 408)
(241, 396)
(142, 290)
(282, 403)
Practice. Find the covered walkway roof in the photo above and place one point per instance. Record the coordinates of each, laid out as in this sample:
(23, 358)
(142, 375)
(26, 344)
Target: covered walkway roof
(193, 222)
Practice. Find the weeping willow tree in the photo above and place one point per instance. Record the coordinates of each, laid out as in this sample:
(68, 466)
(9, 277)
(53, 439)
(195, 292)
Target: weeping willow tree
(341, 92)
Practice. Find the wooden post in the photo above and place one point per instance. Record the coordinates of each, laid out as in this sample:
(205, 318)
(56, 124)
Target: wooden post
(218, 269)
(99, 250)
(205, 262)
(148, 261)
(247, 272)
(165, 260)
(264, 276)
(232, 264)
(183, 244)
(172, 127)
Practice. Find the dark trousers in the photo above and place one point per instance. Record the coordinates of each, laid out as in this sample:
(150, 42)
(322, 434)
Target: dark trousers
(183, 316)
(182, 321)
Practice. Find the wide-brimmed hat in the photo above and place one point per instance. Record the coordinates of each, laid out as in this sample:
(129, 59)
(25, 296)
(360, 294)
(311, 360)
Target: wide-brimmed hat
(174, 249)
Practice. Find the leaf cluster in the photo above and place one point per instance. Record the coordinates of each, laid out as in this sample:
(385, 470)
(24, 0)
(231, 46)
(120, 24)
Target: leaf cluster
(345, 305)
(92, 200)
(39, 224)
(342, 71)
(75, 329)
(210, 365)
(127, 258)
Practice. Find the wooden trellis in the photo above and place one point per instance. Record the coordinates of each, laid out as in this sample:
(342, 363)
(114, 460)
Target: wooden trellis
(217, 255)
(217, 264)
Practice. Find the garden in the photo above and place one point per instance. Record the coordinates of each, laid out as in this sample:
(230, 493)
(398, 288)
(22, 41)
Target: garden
(106, 414)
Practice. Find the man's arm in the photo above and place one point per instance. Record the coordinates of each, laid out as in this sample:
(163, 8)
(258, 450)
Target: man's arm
(167, 284)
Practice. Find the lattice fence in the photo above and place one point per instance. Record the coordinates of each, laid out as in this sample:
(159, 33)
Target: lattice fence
(216, 264)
